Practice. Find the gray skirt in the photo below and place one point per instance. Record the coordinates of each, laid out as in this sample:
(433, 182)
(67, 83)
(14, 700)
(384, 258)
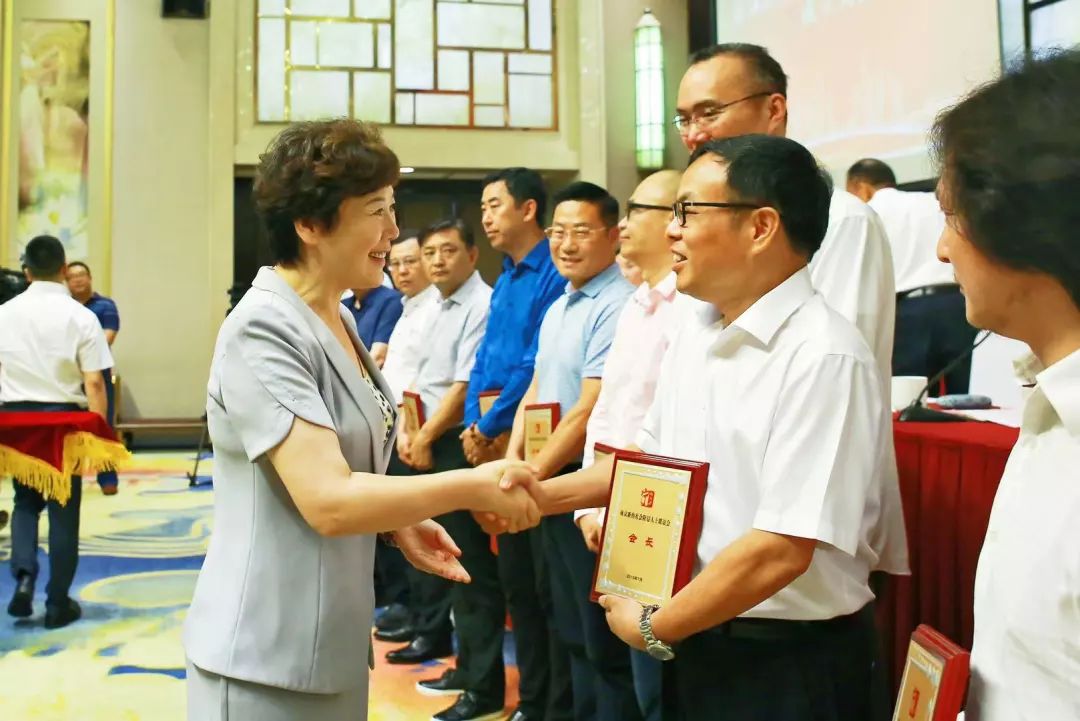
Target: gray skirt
(211, 697)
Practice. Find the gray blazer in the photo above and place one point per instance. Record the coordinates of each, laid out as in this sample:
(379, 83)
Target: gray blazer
(276, 603)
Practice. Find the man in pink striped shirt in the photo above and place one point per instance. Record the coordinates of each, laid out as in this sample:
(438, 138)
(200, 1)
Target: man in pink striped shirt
(633, 364)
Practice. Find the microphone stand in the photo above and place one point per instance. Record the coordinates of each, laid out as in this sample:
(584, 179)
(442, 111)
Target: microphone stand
(916, 413)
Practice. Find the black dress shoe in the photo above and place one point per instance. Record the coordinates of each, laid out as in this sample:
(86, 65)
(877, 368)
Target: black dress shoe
(469, 707)
(422, 648)
(22, 601)
(397, 634)
(445, 685)
(62, 614)
(395, 615)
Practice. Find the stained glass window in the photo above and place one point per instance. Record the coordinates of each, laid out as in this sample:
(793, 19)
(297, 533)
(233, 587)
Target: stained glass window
(447, 63)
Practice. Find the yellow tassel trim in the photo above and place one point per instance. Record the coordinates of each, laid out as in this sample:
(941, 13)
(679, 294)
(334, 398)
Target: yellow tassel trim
(84, 453)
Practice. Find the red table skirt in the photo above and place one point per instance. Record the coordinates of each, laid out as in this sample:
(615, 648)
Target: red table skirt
(44, 449)
(949, 473)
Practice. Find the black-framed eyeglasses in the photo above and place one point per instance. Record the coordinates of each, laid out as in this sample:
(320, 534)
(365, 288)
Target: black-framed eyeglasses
(679, 208)
(631, 206)
(708, 115)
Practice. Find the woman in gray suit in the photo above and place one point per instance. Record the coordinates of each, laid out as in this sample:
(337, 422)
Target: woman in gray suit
(279, 628)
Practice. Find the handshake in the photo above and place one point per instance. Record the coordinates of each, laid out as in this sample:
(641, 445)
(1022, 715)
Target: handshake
(510, 497)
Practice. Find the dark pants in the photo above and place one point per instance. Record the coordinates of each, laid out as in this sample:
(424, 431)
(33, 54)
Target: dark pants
(543, 661)
(648, 684)
(479, 611)
(63, 525)
(778, 671)
(931, 331)
(603, 682)
(107, 479)
(427, 596)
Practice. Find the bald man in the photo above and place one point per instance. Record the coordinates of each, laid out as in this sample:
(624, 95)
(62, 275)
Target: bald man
(645, 328)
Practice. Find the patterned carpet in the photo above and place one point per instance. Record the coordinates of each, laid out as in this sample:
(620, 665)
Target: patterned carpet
(140, 554)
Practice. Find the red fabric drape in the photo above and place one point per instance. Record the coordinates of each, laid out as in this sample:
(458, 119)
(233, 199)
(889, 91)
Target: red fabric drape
(949, 473)
(41, 435)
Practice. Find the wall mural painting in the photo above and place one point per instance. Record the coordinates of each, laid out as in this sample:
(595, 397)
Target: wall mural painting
(54, 63)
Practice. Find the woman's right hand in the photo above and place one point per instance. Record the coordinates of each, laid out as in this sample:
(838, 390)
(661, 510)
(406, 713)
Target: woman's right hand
(515, 507)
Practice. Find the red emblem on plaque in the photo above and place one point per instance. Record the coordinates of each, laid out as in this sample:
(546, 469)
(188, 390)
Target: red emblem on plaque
(647, 498)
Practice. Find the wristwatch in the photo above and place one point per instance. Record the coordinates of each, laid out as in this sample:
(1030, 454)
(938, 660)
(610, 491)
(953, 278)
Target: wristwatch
(654, 646)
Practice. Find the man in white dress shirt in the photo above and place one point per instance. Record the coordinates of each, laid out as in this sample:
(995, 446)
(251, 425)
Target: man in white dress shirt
(931, 330)
(1010, 156)
(404, 352)
(52, 352)
(780, 394)
(419, 304)
(737, 88)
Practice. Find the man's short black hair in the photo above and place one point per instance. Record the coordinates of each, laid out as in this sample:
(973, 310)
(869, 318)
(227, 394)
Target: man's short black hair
(1010, 160)
(44, 256)
(873, 171)
(522, 184)
(462, 228)
(766, 70)
(777, 173)
(591, 193)
(80, 264)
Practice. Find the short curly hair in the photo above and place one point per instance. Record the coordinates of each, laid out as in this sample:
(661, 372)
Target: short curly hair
(309, 169)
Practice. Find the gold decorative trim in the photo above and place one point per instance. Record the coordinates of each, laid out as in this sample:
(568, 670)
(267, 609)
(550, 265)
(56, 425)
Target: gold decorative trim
(106, 225)
(6, 128)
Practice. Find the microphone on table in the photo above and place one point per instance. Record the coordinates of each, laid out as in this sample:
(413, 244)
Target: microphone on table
(916, 413)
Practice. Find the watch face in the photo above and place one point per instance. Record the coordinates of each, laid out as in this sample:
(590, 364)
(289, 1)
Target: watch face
(661, 652)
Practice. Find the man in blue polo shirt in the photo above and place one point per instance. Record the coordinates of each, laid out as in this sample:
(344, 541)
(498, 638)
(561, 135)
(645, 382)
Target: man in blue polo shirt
(575, 337)
(512, 206)
(376, 311)
(81, 286)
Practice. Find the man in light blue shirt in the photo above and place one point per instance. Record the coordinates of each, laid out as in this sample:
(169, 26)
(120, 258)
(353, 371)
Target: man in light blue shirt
(575, 337)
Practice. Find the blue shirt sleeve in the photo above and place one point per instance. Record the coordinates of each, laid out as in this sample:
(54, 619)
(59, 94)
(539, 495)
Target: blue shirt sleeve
(600, 339)
(388, 317)
(109, 316)
(501, 416)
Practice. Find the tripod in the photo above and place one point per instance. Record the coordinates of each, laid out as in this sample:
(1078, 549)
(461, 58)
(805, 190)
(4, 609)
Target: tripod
(193, 476)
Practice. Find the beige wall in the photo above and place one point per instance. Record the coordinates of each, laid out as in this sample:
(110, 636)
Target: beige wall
(620, 17)
(171, 300)
(181, 125)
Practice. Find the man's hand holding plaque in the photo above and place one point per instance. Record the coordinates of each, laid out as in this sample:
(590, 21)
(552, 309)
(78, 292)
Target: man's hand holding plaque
(651, 528)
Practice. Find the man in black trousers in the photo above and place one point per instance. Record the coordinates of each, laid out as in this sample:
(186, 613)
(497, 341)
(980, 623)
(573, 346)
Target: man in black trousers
(52, 352)
(448, 254)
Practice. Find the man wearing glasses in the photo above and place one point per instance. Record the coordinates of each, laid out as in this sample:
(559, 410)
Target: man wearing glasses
(645, 328)
(406, 346)
(575, 337)
(736, 89)
(780, 394)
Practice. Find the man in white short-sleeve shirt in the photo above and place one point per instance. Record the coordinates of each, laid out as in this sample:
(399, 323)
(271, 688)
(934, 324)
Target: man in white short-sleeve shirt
(52, 352)
(931, 330)
(781, 396)
(738, 88)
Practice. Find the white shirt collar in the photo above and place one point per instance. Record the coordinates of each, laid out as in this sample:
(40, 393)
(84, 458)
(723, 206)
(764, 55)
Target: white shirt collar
(420, 298)
(764, 318)
(48, 286)
(1060, 383)
(466, 289)
(650, 297)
